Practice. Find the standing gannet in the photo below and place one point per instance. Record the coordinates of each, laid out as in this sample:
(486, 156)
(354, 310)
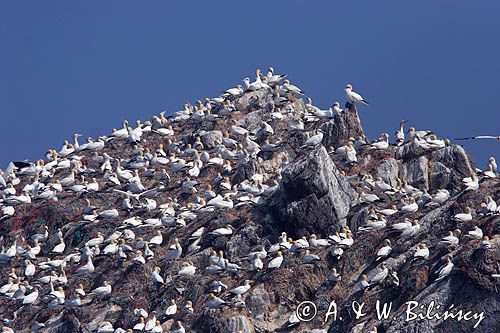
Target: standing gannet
(291, 88)
(272, 78)
(155, 276)
(352, 96)
(446, 269)
(493, 163)
(400, 133)
(489, 172)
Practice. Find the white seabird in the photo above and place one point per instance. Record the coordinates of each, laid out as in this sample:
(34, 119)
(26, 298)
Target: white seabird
(354, 97)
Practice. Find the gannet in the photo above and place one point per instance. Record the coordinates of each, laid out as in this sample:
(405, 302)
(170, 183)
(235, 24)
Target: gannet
(411, 231)
(104, 290)
(389, 211)
(414, 134)
(352, 96)
(257, 264)
(315, 242)
(385, 250)
(174, 251)
(446, 269)
(215, 302)
(489, 172)
(59, 248)
(493, 163)
(276, 262)
(157, 239)
(450, 239)
(480, 137)
(88, 268)
(29, 269)
(400, 133)
(464, 217)
(291, 88)
(485, 243)
(374, 225)
(171, 309)
(476, 233)
(383, 143)
(336, 107)
(363, 283)
(241, 289)
(314, 140)
(383, 271)
(421, 252)
(310, 258)
(74, 302)
(187, 269)
(31, 297)
(272, 78)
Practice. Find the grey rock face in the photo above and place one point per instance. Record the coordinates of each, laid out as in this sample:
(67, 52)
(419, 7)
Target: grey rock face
(240, 323)
(316, 197)
(209, 138)
(260, 99)
(443, 168)
(341, 128)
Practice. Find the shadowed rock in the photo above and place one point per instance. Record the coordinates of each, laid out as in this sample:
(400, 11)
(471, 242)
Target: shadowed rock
(316, 197)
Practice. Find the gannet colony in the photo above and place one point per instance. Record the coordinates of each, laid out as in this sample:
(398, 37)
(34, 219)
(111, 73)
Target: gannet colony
(229, 214)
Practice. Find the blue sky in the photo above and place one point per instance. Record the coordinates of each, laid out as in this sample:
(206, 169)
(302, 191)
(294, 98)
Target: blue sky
(84, 66)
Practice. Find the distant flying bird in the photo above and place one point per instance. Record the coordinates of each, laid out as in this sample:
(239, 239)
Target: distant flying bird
(480, 137)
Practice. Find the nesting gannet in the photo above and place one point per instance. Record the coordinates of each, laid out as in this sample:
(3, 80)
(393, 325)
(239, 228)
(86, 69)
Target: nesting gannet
(241, 289)
(314, 140)
(353, 97)
(464, 217)
(485, 243)
(421, 252)
(363, 283)
(383, 143)
(277, 261)
(104, 290)
(380, 276)
(476, 233)
(172, 308)
(215, 302)
(385, 250)
(228, 230)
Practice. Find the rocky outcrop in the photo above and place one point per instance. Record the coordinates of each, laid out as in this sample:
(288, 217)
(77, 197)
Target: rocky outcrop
(315, 196)
(341, 128)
